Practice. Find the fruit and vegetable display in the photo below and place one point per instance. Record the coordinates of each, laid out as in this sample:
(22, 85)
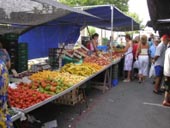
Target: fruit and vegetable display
(98, 60)
(82, 69)
(65, 77)
(93, 65)
(23, 97)
(107, 56)
(46, 83)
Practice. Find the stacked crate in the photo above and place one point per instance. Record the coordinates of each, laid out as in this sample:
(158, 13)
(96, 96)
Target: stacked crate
(10, 43)
(55, 57)
(71, 98)
(22, 57)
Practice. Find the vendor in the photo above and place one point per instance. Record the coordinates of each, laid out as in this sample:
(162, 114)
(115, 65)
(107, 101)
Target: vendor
(93, 43)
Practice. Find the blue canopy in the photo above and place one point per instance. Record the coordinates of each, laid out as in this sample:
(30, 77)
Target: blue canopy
(67, 29)
(120, 20)
(41, 38)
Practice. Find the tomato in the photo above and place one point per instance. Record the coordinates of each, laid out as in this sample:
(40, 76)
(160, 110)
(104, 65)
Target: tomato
(24, 97)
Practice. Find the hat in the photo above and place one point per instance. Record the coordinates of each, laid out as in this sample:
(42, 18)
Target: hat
(165, 37)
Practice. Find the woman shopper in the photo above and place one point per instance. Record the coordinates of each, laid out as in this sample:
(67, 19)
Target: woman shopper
(128, 57)
(143, 58)
(5, 120)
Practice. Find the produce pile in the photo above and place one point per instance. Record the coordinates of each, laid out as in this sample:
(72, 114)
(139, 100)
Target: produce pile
(43, 75)
(82, 69)
(107, 56)
(98, 60)
(67, 78)
(23, 97)
(70, 79)
(44, 84)
(93, 65)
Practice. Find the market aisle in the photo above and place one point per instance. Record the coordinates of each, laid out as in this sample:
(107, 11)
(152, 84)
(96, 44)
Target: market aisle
(129, 105)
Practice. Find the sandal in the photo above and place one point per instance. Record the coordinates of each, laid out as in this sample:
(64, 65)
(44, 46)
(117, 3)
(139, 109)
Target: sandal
(126, 80)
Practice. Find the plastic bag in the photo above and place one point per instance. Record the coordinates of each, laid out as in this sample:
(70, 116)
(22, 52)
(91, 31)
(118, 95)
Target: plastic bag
(136, 64)
(152, 71)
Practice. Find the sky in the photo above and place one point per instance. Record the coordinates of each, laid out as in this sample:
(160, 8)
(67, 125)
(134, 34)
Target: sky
(140, 7)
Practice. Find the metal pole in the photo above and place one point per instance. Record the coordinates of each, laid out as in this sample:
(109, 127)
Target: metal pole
(132, 24)
(111, 50)
(112, 11)
(112, 14)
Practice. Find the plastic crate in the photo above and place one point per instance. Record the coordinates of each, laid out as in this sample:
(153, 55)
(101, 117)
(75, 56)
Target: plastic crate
(11, 36)
(22, 46)
(23, 57)
(102, 48)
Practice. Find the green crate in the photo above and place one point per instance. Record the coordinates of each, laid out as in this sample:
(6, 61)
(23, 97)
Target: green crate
(11, 36)
(22, 52)
(23, 46)
(23, 57)
(21, 62)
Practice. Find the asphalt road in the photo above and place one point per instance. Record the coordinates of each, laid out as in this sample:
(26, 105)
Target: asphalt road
(129, 105)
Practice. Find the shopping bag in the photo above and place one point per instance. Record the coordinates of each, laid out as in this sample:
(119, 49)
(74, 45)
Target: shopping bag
(152, 71)
(136, 64)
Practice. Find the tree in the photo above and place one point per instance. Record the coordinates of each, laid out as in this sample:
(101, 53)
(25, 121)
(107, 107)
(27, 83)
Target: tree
(135, 16)
(121, 4)
(92, 30)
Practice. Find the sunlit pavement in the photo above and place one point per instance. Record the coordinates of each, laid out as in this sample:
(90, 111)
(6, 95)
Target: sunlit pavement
(128, 105)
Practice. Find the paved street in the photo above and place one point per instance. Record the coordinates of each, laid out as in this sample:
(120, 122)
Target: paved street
(129, 105)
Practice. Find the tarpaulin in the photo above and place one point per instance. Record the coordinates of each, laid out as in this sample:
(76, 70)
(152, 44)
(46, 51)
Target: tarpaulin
(41, 38)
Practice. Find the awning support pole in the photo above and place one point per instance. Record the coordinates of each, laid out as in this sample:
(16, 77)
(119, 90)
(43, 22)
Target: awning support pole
(132, 24)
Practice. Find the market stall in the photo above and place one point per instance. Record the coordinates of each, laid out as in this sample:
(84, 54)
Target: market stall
(18, 16)
(33, 90)
(66, 85)
(66, 29)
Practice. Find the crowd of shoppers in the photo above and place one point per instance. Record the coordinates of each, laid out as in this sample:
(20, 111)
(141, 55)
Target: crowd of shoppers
(150, 51)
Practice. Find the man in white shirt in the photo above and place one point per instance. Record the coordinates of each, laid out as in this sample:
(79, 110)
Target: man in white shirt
(166, 101)
(159, 62)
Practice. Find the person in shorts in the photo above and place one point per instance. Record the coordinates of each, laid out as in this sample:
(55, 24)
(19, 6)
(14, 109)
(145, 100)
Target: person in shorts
(159, 62)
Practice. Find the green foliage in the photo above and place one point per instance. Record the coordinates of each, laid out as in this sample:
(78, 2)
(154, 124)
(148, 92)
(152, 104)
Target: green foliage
(121, 4)
(135, 16)
(104, 41)
(92, 30)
